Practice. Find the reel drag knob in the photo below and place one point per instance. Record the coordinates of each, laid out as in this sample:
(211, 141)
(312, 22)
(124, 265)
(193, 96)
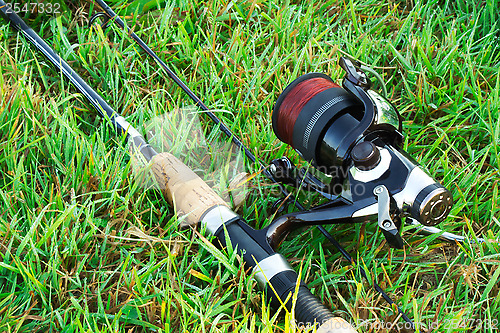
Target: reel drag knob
(432, 205)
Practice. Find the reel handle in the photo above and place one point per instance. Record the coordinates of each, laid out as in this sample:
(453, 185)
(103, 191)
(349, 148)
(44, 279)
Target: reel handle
(193, 198)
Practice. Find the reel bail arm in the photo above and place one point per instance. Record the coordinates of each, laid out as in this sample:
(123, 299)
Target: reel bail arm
(285, 172)
(385, 222)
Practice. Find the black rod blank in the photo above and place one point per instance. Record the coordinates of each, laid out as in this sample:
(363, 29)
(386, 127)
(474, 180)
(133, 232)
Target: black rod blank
(97, 102)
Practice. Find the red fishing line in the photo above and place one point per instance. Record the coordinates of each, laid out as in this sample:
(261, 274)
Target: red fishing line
(294, 102)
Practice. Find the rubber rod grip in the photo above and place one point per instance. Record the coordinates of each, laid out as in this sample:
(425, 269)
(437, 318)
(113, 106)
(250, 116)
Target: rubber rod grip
(184, 189)
(309, 309)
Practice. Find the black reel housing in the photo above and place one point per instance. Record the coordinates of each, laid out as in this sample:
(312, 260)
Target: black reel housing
(354, 135)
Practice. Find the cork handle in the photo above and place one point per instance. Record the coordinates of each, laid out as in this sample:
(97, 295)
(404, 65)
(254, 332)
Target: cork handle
(336, 325)
(189, 194)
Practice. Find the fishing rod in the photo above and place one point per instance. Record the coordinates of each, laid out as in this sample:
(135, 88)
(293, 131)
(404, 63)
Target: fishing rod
(189, 194)
(282, 170)
(110, 15)
(420, 198)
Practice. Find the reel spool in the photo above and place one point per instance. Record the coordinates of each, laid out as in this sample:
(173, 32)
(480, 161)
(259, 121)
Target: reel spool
(352, 134)
(314, 115)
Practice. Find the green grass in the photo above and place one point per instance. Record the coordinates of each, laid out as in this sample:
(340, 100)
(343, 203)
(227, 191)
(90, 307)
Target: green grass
(84, 248)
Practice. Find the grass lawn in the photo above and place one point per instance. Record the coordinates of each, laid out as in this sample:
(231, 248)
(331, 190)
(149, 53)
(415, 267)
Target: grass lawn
(85, 248)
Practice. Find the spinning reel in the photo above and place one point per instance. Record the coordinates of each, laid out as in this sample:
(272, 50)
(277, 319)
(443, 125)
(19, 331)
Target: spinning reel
(353, 135)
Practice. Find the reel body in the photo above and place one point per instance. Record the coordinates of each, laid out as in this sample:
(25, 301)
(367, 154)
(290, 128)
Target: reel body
(353, 135)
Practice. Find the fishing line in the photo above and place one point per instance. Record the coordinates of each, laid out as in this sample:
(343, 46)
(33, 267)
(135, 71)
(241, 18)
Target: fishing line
(295, 100)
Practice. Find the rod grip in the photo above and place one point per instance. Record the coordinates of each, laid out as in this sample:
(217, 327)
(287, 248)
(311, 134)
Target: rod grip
(192, 197)
(308, 309)
(189, 194)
